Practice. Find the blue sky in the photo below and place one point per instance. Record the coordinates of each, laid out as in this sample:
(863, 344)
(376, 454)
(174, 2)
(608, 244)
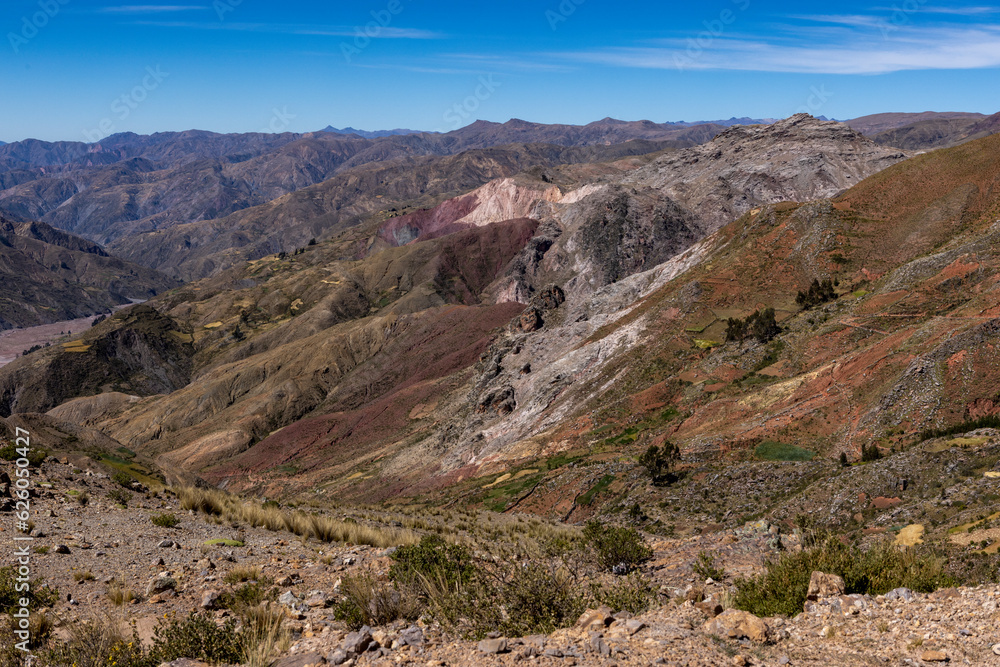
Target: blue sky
(81, 69)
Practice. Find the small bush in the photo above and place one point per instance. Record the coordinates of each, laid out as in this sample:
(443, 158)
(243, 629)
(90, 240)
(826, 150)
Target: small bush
(197, 637)
(85, 575)
(242, 573)
(616, 549)
(38, 595)
(658, 461)
(247, 596)
(368, 601)
(166, 520)
(705, 567)
(120, 497)
(434, 559)
(538, 597)
(633, 594)
(782, 588)
(98, 642)
(35, 455)
(123, 479)
(119, 593)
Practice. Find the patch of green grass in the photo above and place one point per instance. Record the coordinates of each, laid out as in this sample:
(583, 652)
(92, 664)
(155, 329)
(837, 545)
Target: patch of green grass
(499, 496)
(780, 451)
(166, 520)
(626, 437)
(560, 460)
(219, 542)
(602, 484)
(669, 414)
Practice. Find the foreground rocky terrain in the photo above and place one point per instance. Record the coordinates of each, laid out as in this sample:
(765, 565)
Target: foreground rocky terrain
(87, 543)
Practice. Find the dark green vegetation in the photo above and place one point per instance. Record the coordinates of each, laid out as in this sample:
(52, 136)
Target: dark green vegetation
(989, 421)
(165, 520)
(759, 325)
(874, 570)
(819, 292)
(658, 461)
(780, 451)
(35, 454)
(870, 453)
(616, 548)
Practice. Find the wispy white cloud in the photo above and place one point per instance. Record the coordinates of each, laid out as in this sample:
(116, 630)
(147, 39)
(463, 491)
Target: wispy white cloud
(506, 62)
(385, 33)
(150, 9)
(952, 11)
(308, 30)
(821, 51)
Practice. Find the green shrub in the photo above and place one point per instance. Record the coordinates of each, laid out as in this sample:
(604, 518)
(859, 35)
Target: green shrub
(704, 567)
(123, 479)
(35, 455)
(633, 594)
(658, 461)
(166, 520)
(369, 601)
(99, 642)
(616, 548)
(248, 595)
(38, 595)
(218, 542)
(432, 558)
(782, 588)
(537, 597)
(197, 637)
(120, 497)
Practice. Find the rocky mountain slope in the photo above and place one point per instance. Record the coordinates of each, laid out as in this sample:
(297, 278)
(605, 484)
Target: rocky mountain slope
(50, 276)
(447, 353)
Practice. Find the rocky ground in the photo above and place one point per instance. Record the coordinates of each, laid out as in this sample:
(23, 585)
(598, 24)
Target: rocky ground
(81, 548)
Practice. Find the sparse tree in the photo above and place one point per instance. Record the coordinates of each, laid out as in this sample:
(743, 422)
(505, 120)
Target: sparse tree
(658, 461)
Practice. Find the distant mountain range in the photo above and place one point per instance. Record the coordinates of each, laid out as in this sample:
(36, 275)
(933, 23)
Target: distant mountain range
(370, 135)
(606, 121)
(195, 203)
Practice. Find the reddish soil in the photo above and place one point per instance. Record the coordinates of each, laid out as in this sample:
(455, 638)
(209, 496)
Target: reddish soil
(428, 223)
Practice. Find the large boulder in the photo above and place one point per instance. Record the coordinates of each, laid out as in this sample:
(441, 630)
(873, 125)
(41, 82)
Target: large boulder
(737, 624)
(822, 585)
